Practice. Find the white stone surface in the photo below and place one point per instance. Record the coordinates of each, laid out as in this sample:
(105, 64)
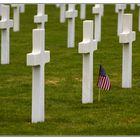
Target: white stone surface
(71, 14)
(120, 10)
(119, 7)
(62, 13)
(5, 25)
(132, 6)
(16, 17)
(126, 38)
(98, 11)
(0, 9)
(87, 47)
(40, 18)
(82, 11)
(37, 60)
(58, 5)
(139, 18)
(102, 9)
(21, 8)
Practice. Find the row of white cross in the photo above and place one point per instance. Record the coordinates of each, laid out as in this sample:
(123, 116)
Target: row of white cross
(126, 37)
(39, 57)
(5, 24)
(91, 36)
(71, 14)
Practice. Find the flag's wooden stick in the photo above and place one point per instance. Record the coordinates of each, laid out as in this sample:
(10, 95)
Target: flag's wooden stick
(99, 95)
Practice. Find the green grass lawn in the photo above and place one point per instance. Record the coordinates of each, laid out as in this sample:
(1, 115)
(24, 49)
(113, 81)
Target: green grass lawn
(118, 112)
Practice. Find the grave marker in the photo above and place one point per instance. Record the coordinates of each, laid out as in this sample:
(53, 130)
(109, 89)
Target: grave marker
(139, 18)
(37, 60)
(132, 6)
(87, 47)
(98, 11)
(5, 25)
(21, 8)
(40, 18)
(71, 14)
(82, 11)
(16, 16)
(58, 5)
(120, 10)
(126, 38)
(62, 12)
(0, 9)
(102, 9)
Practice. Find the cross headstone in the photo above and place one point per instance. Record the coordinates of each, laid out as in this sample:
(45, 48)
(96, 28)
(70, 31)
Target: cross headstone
(87, 47)
(132, 6)
(126, 38)
(40, 18)
(139, 18)
(82, 11)
(16, 16)
(58, 5)
(97, 10)
(62, 12)
(22, 8)
(120, 10)
(37, 60)
(71, 14)
(5, 25)
(102, 9)
(0, 9)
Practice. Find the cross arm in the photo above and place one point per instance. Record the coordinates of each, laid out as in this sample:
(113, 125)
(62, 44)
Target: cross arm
(127, 37)
(71, 14)
(40, 18)
(15, 5)
(6, 24)
(47, 56)
(87, 46)
(96, 10)
(120, 7)
(35, 59)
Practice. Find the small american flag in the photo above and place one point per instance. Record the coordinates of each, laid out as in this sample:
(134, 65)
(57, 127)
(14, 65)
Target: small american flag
(103, 80)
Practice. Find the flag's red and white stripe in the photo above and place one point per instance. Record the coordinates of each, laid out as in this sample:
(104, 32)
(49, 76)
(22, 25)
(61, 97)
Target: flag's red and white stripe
(104, 82)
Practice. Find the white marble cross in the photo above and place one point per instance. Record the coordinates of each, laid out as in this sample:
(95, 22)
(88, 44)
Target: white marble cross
(62, 12)
(82, 11)
(132, 6)
(120, 10)
(0, 9)
(71, 14)
(58, 5)
(40, 18)
(22, 8)
(102, 9)
(37, 60)
(16, 16)
(5, 25)
(126, 38)
(139, 18)
(87, 47)
(98, 11)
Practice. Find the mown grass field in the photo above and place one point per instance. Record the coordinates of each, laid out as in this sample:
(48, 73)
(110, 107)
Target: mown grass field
(118, 112)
